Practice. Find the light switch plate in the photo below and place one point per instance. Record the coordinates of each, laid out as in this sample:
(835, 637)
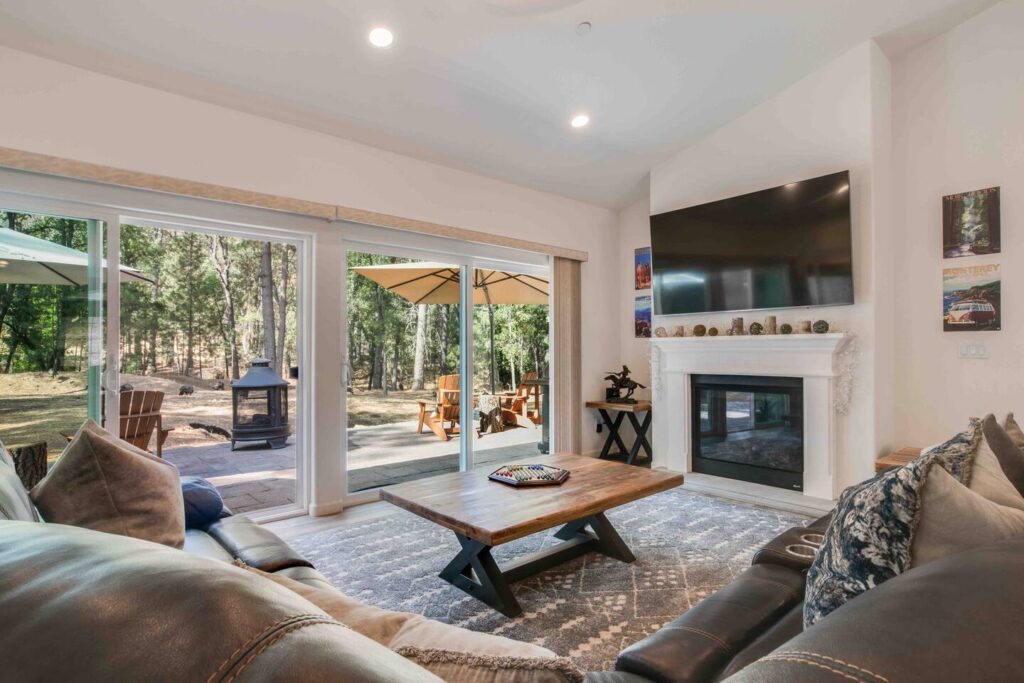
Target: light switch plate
(974, 351)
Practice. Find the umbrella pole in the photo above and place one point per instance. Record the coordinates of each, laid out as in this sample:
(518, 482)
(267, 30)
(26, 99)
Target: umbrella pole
(490, 319)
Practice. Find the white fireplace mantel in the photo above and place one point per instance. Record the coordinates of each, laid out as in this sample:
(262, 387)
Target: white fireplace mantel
(812, 357)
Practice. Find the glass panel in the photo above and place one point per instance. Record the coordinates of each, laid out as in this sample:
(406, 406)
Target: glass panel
(403, 360)
(510, 356)
(51, 327)
(207, 307)
(757, 427)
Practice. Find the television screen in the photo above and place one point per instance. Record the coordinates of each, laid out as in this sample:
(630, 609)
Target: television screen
(778, 248)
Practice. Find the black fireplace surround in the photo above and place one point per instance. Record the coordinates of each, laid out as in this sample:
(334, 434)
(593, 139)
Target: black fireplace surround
(748, 428)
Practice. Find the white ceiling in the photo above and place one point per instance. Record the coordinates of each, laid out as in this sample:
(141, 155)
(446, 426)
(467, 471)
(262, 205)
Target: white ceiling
(484, 85)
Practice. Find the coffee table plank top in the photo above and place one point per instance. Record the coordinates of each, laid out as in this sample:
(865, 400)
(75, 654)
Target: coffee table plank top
(493, 513)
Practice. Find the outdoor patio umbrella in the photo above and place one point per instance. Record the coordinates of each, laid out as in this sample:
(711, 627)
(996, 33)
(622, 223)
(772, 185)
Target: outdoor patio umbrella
(28, 260)
(437, 283)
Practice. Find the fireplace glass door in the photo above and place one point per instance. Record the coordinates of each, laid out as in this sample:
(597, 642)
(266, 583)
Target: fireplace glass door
(749, 428)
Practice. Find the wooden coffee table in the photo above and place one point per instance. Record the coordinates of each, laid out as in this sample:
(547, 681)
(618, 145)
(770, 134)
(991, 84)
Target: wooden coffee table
(485, 513)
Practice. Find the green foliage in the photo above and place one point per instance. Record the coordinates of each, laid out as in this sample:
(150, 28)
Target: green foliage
(174, 324)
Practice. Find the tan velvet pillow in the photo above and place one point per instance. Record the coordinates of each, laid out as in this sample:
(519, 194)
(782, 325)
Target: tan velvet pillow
(455, 654)
(1014, 430)
(989, 480)
(102, 483)
(954, 518)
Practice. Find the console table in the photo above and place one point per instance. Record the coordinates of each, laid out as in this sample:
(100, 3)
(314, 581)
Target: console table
(624, 410)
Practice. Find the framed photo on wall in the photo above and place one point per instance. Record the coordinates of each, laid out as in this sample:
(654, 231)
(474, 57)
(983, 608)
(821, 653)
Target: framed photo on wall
(971, 299)
(642, 316)
(970, 223)
(642, 268)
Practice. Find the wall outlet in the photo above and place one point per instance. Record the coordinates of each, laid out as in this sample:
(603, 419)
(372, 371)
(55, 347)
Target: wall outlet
(974, 351)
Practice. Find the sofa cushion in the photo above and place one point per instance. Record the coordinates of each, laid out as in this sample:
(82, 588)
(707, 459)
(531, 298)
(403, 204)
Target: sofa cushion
(957, 619)
(453, 653)
(14, 501)
(117, 608)
(871, 533)
(1006, 450)
(698, 645)
(255, 546)
(198, 542)
(103, 483)
(203, 503)
(954, 518)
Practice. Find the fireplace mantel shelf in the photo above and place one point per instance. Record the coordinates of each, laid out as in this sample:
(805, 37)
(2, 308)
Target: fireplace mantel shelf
(829, 340)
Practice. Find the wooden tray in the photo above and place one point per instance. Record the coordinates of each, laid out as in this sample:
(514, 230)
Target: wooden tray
(529, 475)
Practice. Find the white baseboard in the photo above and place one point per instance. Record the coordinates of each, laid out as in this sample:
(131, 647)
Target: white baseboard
(758, 494)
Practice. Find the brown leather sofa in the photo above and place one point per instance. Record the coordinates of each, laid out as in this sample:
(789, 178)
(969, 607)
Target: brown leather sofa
(956, 619)
(82, 605)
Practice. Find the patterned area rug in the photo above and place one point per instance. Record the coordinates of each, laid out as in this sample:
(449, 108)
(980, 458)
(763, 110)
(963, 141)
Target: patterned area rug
(687, 546)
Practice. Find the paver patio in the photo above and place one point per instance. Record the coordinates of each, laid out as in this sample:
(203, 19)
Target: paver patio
(255, 477)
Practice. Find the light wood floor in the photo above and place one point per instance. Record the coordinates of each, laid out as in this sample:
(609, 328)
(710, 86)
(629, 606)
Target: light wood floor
(302, 526)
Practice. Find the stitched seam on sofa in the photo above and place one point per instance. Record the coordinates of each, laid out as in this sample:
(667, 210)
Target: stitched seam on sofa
(255, 639)
(310, 620)
(724, 645)
(811, 662)
(792, 590)
(491, 662)
(836, 660)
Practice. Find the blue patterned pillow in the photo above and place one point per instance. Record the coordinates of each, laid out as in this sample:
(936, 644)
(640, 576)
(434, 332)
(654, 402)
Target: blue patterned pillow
(869, 538)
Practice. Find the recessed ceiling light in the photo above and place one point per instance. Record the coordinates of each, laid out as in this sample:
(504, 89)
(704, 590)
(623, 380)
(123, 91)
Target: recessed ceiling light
(580, 120)
(583, 28)
(381, 37)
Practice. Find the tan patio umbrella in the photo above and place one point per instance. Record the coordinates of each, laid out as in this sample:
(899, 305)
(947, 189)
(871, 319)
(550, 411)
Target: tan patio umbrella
(438, 283)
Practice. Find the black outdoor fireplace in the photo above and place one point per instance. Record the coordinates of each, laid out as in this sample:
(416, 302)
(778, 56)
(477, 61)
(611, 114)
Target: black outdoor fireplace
(749, 428)
(259, 406)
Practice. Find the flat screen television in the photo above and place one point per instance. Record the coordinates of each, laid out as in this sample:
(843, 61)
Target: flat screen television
(785, 247)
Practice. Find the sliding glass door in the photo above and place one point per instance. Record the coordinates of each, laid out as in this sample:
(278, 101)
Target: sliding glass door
(51, 327)
(209, 342)
(403, 369)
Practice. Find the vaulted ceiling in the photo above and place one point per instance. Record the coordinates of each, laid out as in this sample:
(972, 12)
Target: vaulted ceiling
(488, 86)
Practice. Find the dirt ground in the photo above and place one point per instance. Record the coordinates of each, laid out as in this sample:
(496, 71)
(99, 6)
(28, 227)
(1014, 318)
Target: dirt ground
(35, 406)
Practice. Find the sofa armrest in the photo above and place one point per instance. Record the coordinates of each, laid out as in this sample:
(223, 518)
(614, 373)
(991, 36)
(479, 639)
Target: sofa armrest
(261, 548)
(698, 645)
(774, 551)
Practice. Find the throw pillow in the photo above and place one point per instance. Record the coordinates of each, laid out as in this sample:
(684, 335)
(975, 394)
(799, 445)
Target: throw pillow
(1013, 430)
(449, 652)
(102, 483)
(870, 536)
(1009, 454)
(988, 475)
(954, 518)
(203, 503)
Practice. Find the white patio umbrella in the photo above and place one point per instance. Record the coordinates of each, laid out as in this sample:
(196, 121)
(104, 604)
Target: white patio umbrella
(28, 260)
(438, 283)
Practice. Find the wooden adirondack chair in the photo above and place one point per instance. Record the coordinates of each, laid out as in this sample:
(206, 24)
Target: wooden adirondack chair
(140, 418)
(522, 406)
(444, 409)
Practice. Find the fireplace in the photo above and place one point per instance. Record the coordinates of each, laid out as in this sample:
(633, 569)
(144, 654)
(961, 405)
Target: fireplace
(748, 428)
(259, 404)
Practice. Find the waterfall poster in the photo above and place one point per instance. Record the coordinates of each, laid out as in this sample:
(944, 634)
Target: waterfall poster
(971, 299)
(642, 316)
(970, 223)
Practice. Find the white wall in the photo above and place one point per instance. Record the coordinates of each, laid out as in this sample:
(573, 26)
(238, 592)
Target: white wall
(829, 121)
(958, 124)
(53, 108)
